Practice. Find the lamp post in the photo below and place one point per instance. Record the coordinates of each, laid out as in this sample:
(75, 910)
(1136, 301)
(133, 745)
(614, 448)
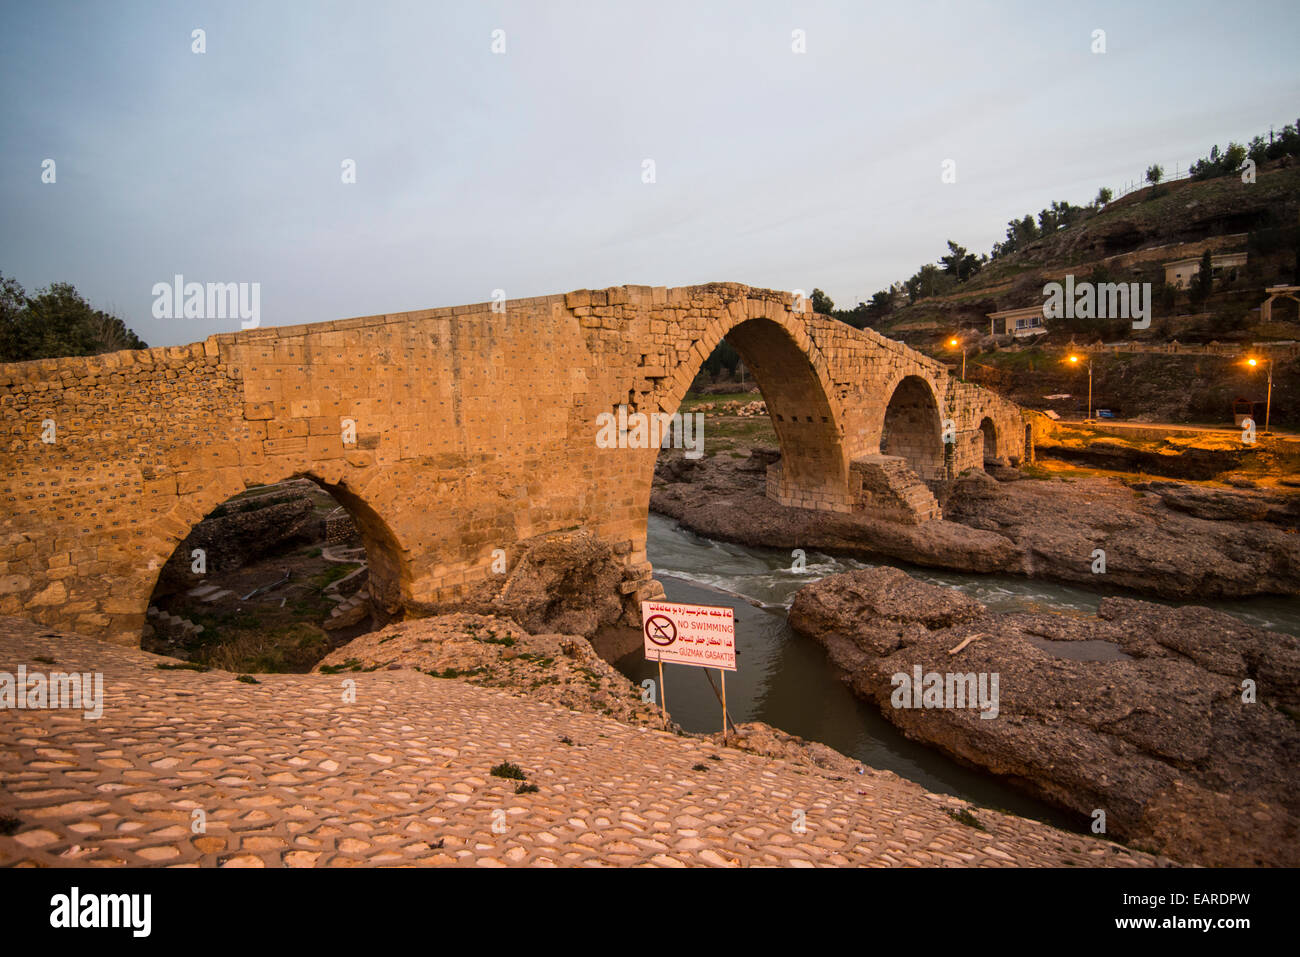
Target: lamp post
(1268, 402)
(1075, 360)
(955, 342)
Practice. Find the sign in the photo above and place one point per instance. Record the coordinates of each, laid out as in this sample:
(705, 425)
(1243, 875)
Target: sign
(703, 635)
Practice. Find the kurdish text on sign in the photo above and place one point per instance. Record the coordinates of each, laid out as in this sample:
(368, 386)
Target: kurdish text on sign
(703, 635)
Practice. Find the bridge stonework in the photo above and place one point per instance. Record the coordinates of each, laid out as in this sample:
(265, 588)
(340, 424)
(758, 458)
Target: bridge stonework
(474, 430)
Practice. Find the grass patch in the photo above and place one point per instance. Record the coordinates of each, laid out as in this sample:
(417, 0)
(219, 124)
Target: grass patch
(248, 680)
(181, 666)
(9, 824)
(964, 816)
(456, 672)
(293, 648)
(332, 574)
(526, 789)
(507, 770)
(44, 660)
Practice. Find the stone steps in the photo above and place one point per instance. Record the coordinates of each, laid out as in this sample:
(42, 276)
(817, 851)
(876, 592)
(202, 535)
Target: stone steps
(171, 627)
(887, 486)
(209, 593)
(349, 612)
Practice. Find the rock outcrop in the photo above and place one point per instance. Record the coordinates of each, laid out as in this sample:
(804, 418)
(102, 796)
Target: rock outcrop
(495, 652)
(1165, 539)
(1162, 538)
(1181, 724)
(568, 582)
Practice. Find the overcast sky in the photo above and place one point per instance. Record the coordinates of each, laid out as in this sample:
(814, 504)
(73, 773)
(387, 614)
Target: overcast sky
(523, 170)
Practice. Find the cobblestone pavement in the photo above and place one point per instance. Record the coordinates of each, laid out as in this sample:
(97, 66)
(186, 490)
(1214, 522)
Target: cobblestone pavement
(285, 772)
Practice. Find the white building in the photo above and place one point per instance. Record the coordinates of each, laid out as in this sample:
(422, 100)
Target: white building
(1026, 321)
(1181, 272)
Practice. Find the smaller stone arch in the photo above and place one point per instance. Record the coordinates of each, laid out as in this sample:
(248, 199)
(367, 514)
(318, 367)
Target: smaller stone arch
(913, 428)
(989, 433)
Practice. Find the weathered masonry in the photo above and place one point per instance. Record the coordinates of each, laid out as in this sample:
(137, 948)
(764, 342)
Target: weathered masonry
(474, 429)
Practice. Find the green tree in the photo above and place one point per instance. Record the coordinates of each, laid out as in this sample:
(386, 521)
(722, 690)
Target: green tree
(881, 305)
(723, 359)
(929, 280)
(57, 322)
(13, 303)
(960, 264)
(1104, 196)
(822, 303)
(1155, 173)
(1233, 157)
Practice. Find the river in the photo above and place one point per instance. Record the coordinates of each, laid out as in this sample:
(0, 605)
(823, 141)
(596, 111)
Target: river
(786, 680)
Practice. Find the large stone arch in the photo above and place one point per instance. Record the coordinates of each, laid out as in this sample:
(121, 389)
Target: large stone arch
(912, 426)
(797, 388)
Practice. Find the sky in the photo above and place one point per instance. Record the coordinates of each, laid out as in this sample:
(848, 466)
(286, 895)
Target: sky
(525, 170)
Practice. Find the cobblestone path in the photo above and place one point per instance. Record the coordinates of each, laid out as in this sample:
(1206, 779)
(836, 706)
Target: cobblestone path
(286, 772)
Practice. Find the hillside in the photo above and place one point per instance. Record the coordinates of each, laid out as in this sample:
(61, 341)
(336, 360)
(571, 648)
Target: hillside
(1130, 240)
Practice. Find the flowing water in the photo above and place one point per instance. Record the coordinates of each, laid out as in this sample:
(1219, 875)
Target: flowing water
(786, 680)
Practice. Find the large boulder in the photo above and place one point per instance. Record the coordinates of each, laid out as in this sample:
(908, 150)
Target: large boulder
(564, 582)
(568, 582)
(1139, 712)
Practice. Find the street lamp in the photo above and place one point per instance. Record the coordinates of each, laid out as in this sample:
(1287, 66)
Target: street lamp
(954, 342)
(1268, 402)
(1075, 361)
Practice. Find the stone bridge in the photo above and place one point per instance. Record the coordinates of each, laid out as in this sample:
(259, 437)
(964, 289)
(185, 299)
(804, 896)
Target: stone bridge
(448, 434)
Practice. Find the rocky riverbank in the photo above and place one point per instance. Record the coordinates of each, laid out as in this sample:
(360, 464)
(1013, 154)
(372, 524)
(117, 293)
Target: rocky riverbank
(1182, 725)
(1164, 539)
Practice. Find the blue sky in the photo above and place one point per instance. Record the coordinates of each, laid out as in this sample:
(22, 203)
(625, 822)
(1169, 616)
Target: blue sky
(523, 171)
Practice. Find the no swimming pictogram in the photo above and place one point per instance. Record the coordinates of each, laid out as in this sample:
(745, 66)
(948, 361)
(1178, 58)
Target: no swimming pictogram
(661, 630)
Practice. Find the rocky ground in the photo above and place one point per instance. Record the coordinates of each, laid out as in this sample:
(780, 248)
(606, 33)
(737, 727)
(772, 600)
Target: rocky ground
(1160, 538)
(1139, 712)
(495, 652)
(397, 767)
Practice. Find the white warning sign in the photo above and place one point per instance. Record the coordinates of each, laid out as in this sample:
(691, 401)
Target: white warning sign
(703, 635)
